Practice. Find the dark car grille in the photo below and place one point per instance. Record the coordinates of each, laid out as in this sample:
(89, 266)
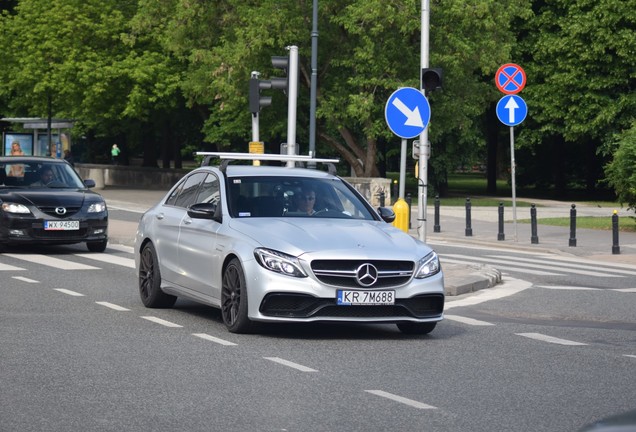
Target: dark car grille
(70, 211)
(305, 306)
(59, 235)
(342, 273)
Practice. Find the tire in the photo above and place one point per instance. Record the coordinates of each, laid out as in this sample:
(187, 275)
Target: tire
(97, 246)
(150, 281)
(411, 328)
(234, 299)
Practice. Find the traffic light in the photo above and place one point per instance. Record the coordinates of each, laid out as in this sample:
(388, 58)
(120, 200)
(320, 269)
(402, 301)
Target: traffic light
(431, 79)
(256, 100)
(282, 83)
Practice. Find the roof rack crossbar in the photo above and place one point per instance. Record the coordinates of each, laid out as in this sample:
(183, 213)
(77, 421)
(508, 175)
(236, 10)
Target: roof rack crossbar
(227, 157)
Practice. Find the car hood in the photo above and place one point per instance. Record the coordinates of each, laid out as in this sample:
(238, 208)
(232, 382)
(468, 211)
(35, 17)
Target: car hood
(323, 238)
(51, 197)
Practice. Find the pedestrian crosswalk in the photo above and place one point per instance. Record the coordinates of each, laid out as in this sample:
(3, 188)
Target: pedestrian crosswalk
(543, 265)
(17, 262)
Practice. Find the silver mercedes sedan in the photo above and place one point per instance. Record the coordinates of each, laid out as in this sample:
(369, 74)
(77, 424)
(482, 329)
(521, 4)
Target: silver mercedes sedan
(278, 244)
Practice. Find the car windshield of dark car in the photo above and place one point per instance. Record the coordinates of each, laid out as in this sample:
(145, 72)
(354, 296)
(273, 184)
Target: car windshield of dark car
(294, 197)
(40, 174)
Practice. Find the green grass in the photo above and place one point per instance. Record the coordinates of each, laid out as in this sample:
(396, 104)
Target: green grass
(588, 222)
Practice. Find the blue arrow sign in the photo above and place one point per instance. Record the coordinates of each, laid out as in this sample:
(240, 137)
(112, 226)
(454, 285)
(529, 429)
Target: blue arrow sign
(407, 112)
(511, 110)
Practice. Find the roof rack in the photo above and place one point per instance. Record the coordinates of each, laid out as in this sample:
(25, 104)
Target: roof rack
(227, 157)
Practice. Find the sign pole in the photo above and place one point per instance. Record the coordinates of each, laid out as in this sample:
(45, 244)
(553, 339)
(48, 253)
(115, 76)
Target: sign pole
(402, 168)
(512, 175)
(422, 183)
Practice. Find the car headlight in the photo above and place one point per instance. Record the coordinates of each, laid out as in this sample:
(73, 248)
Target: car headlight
(15, 208)
(428, 266)
(97, 207)
(279, 262)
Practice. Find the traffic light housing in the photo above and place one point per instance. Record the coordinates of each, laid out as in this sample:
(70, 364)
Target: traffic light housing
(432, 79)
(282, 83)
(256, 100)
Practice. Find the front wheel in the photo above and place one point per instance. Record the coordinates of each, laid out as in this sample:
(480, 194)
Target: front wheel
(234, 299)
(150, 281)
(412, 328)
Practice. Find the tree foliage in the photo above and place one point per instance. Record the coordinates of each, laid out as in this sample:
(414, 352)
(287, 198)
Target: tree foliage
(620, 172)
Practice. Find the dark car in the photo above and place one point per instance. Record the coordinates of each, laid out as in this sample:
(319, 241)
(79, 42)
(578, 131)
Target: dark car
(44, 201)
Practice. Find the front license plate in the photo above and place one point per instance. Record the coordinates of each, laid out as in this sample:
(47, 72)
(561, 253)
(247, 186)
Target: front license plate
(365, 298)
(61, 225)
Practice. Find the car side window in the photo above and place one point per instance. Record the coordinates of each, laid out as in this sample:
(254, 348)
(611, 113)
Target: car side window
(190, 189)
(209, 191)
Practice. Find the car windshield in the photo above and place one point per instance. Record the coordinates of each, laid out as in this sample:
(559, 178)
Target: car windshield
(294, 197)
(39, 174)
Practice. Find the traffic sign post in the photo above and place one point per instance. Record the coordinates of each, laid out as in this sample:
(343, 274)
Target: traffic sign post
(511, 111)
(407, 114)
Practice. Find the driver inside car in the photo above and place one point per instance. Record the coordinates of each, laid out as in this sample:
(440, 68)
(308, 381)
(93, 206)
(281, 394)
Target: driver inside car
(46, 177)
(305, 200)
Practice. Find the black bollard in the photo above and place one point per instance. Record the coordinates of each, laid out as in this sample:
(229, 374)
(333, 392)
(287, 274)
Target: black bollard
(382, 198)
(469, 230)
(394, 191)
(615, 248)
(436, 227)
(501, 235)
(409, 201)
(534, 238)
(572, 226)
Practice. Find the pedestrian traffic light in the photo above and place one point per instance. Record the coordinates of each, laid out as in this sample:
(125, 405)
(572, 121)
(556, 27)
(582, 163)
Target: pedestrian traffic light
(431, 79)
(256, 100)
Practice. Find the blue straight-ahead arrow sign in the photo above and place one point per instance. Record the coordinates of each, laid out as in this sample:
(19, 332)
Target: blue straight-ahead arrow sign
(511, 110)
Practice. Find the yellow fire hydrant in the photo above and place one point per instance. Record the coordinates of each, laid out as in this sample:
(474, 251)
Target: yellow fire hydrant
(401, 210)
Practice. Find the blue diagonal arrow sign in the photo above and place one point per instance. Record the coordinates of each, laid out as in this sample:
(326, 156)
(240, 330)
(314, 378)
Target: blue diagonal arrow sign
(511, 110)
(407, 112)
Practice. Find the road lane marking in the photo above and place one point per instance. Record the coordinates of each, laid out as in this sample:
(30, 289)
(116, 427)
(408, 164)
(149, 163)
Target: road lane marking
(580, 288)
(630, 355)
(110, 259)
(504, 263)
(444, 258)
(52, 262)
(25, 279)
(505, 289)
(214, 339)
(160, 321)
(69, 292)
(290, 364)
(122, 248)
(568, 264)
(465, 320)
(396, 398)
(7, 267)
(112, 306)
(550, 339)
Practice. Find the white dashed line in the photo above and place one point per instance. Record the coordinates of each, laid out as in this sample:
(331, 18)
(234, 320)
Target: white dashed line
(630, 355)
(550, 339)
(465, 320)
(8, 267)
(213, 339)
(69, 292)
(396, 398)
(52, 262)
(110, 259)
(25, 279)
(290, 364)
(160, 321)
(112, 306)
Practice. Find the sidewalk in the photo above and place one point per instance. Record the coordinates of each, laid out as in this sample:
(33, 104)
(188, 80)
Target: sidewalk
(459, 278)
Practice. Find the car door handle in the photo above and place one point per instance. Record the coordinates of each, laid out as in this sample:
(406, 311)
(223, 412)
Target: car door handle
(159, 216)
(187, 221)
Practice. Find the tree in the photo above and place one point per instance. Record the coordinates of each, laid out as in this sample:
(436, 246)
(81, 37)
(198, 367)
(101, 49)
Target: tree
(581, 69)
(620, 172)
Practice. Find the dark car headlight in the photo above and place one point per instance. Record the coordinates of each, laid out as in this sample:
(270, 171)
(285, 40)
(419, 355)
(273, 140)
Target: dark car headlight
(15, 208)
(279, 262)
(97, 207)
(427, 266)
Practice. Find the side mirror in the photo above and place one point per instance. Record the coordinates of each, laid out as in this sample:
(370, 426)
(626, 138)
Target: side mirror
(204, 211)
(89, 183)
(387, 214)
